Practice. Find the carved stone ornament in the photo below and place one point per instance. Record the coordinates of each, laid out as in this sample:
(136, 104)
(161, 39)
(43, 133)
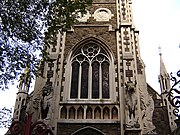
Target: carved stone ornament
(131, 104)
(46, 90)
(36, 103)
(102, 14)
(147, 109)
(83, 18)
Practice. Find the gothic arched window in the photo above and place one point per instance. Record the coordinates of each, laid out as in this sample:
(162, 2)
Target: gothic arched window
(90, 73)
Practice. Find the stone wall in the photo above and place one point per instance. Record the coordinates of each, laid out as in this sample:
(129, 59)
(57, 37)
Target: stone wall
(160, 115)
(101, 33)
(160, 120)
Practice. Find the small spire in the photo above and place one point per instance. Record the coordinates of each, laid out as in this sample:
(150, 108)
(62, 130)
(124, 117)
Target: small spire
(163, 70)
(160, 49)
(25, 78)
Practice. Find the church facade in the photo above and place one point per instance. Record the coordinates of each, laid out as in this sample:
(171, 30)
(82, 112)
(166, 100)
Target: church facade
(95, 80)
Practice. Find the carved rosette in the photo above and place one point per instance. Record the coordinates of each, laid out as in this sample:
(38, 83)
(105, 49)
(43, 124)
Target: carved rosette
(102, 14)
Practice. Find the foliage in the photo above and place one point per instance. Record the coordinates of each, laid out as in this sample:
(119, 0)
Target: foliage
(28, 28)
(5, 117)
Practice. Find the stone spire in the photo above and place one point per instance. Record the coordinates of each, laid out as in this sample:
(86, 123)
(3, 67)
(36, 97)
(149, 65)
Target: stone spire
(163, 71)
(165, 86)
(164, 79)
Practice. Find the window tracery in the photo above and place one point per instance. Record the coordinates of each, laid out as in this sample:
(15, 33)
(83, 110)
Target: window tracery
(90, 73)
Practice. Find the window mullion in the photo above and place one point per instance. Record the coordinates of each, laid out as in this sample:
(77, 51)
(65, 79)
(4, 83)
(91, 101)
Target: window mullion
(100, 81)
(90, 82)
(79, 81)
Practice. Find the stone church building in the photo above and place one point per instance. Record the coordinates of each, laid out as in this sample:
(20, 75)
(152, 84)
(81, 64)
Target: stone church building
(95, 83)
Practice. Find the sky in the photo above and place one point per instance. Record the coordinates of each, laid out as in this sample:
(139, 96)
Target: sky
(158, 22)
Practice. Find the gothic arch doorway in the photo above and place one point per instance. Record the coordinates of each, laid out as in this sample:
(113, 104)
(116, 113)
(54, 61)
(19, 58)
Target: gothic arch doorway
(88, 131)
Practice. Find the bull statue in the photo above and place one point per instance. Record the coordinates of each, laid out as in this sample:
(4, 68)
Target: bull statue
(131, 100)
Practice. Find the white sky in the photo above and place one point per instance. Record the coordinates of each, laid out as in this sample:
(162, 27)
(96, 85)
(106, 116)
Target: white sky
(159, 24)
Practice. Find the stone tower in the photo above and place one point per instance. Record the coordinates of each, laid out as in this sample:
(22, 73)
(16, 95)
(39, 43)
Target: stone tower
(164, 80)
(22, 95)
(95, 80)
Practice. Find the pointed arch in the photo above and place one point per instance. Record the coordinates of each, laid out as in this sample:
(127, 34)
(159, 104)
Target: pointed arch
(91, 71)
(63, 113)
(114, 113)
(99, 41)
(97, 113)
(106, 113)
(88, 130)
(89, 113)
(86, 42)
(80, 113)
(72, 113)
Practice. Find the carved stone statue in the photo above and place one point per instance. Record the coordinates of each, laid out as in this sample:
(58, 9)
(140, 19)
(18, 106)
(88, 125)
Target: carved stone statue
(46, 90)
(44, 109)
(46, 101)
(147, 109)
(131, 102)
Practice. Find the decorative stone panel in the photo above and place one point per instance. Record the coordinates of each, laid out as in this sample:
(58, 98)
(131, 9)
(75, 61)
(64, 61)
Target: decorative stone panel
(97, 19)
(102, 14)
(85, 17)
(89, 112)
(138, 59)
(124, 10)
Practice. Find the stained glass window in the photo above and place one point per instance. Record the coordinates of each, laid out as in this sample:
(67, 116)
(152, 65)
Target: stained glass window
(90, 73)
(84, 80)
(74, 82)
(95, 80)
(105, 79)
